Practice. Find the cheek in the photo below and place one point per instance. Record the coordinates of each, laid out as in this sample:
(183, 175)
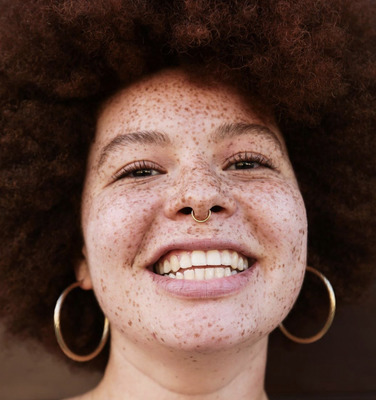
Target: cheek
(276, 214)
(115, 223)
(277, 219)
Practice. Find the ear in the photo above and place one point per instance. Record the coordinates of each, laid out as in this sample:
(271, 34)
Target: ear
(83, 274)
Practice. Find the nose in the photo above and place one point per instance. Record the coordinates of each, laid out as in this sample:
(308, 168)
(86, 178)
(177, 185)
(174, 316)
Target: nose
(199, 192)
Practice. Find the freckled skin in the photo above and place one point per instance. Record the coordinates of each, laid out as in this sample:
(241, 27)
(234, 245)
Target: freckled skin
(126, 221)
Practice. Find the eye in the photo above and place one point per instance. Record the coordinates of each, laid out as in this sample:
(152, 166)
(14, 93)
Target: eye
(139, 169)
(246, 160)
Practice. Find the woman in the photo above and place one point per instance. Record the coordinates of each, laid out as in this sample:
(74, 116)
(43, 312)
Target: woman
(188, 224)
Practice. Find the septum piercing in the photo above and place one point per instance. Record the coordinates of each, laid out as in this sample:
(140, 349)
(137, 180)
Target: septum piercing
(200, 220)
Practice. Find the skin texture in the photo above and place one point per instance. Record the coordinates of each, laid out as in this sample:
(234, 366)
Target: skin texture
(162, 344)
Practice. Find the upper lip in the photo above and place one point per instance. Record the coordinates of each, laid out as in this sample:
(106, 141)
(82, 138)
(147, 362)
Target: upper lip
(200, 244)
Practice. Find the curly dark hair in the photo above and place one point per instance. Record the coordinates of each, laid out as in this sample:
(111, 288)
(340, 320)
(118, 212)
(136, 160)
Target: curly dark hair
(312, 62)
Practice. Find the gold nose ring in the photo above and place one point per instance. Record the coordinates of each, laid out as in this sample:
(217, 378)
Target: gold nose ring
(200, 220)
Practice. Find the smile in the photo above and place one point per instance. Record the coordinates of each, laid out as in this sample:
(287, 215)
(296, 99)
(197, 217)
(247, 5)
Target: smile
(201, 265)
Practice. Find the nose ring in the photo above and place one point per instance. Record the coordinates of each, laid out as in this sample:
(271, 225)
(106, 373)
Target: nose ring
(200, 220)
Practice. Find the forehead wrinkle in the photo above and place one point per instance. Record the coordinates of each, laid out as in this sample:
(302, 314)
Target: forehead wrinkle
(229, 130)
(124, 140)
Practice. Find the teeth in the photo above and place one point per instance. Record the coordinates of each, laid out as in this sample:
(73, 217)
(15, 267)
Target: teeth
(219, 272)
(226, 263)
(198, 258)
(234, 260)
(213, 257)
(189, 274)
(240, 264)
(199, 274)
(179, 275)
(166, 267)
(209, 273)
(175, 264)
(226, 257)
(185, 261)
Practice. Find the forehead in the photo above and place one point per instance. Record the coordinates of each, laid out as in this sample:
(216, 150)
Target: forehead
(170, 100)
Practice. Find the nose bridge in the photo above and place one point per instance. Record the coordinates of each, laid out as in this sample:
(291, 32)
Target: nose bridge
(199, 188)
(202, 179)
(200, 184)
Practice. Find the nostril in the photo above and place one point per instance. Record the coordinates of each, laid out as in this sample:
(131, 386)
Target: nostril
(216, 209)
(188, 210)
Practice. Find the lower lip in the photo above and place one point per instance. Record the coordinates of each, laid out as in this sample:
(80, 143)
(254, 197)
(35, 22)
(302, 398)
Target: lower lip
(204, 289)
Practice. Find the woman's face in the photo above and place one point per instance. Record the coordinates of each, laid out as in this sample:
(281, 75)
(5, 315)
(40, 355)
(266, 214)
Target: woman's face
(166, 146)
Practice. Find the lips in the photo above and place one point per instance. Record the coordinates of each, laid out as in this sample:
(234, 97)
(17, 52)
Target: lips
(202, 265)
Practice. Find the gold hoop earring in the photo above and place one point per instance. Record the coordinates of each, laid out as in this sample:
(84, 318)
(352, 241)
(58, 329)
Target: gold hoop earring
(329, 320)
(60, 339)
(200, 220)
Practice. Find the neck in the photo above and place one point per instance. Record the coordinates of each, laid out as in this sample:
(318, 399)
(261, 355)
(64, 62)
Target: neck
(137, 372)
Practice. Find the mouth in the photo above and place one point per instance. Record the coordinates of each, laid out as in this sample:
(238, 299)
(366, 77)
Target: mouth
(202, 265)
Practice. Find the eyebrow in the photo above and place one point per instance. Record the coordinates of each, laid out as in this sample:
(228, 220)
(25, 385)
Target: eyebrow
(141, 137)
(237, 129)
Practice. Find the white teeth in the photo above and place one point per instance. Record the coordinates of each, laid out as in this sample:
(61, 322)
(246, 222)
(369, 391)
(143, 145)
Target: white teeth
(213, 257)
(198, 258)
(226, 257)
(189, 274)
(179, 275)
(199, 273)
(209, 273)
(166, 267)
(175, 264)
(240, 264)
(234, 260)
(228, 262)
(185, 261)
(219, 272)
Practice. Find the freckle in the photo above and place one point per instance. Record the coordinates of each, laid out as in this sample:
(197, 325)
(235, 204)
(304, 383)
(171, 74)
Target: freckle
(130, 323)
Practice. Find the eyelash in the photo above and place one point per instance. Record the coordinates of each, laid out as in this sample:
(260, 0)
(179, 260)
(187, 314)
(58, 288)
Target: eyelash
(143, 165)
(251, 158)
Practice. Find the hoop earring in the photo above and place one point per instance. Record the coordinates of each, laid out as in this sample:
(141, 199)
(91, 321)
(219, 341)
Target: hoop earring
(60, 339)
(329, 320)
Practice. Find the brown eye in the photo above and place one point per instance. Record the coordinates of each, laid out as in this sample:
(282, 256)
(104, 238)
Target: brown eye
(248, 160)
(246, 165)
(137, 170)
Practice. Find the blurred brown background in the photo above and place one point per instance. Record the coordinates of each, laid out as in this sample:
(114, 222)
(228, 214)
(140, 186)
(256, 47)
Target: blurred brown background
(341, 366)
